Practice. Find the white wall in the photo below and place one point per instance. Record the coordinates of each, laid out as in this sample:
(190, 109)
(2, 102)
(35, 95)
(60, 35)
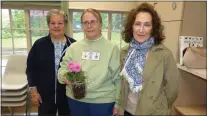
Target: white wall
(106, 6)
(194, 20)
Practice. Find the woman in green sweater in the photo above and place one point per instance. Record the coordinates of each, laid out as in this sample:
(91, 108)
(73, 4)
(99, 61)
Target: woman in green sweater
(100, 60)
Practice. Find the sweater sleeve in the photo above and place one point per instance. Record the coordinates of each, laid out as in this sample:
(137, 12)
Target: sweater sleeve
(114, 67)
(31, 70)
(63, 65)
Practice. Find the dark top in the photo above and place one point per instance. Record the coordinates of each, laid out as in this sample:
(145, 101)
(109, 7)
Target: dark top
(41, 69)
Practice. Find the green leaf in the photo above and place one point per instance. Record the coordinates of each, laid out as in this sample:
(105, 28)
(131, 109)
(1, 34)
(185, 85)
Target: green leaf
(78, 76)
(69, 76)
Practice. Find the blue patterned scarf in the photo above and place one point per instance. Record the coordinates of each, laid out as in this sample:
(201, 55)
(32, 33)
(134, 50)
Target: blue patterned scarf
(134, 63)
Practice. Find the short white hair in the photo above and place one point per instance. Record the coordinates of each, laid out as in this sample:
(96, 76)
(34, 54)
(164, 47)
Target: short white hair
(54, 12)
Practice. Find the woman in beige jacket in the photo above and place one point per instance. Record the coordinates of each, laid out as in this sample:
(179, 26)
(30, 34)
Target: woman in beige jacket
(150, 75)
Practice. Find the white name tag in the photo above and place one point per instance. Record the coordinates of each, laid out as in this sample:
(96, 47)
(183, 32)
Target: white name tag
(89, 55)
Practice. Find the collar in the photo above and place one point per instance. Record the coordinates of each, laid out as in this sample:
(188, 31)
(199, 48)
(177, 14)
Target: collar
(68, 41)
(157, 47)
(92, 41)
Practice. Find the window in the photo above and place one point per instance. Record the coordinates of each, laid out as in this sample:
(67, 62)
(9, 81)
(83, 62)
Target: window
(123, 43)
(112, 24)
(116, 28)
(37, 24)
(13, 32)
(77, 28)
(7, 42)
(14, 37)
(18, 31)
(17, 37)
(105, 24)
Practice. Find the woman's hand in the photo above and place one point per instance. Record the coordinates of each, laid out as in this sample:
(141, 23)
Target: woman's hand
(115, 111)
(67, 82)
(36, 98)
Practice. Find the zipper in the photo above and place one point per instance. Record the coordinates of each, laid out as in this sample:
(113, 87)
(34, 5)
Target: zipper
(56, 70)
(55, 87)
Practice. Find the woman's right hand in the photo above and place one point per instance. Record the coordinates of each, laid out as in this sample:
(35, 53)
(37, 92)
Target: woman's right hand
(36, 98)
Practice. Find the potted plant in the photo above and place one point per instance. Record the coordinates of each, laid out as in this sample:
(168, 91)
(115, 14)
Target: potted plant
(77, 79)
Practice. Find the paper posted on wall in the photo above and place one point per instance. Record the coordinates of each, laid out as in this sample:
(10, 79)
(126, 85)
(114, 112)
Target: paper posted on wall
(186, 41)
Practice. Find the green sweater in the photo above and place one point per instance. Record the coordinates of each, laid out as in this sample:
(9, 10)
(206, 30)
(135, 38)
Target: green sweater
(103, 80)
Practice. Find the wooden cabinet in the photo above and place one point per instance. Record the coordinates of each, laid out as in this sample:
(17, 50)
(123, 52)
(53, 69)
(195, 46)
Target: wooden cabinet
(192, 93)
(168, 11)
(192, 110)
(172, 31)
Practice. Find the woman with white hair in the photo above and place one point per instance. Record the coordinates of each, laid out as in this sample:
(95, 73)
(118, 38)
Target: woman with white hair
(42, 66)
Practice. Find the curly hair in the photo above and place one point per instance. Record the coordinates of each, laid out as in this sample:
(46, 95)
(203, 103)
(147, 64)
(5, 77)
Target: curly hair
(157, 27)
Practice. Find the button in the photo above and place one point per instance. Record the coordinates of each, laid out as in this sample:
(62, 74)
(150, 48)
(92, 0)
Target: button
(143, 80)
(151, 97)
(153, 81)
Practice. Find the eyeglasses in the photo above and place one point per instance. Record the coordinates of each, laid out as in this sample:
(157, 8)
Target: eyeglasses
(92, 23)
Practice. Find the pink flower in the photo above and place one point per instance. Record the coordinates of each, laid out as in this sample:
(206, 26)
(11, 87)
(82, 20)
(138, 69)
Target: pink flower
(77, 67)
(69, 65)
(74, 67)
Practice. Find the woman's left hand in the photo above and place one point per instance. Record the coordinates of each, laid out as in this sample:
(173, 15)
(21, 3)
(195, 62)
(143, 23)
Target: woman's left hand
(115, 111)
